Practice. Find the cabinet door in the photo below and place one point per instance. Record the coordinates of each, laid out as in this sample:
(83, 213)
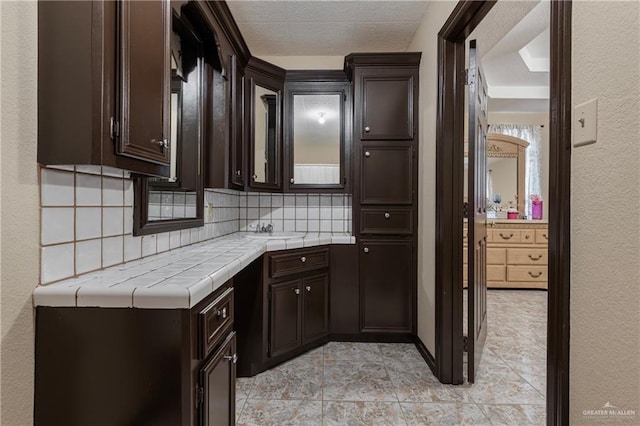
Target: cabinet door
(218, 386)
(285, 327)
(236, 124)
(315, 307)
(386, 99)
(386, 285)
(386, 174)
(144, 77)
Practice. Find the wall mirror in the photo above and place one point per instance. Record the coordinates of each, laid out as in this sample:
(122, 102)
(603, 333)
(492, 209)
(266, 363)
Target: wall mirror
(315, 135)
(177, 202)
(265, 149)
(506, 156)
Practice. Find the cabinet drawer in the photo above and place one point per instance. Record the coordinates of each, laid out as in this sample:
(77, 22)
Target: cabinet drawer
(496, 256)
(509, 236)
(528, 236)
(214, 322)
(527, 273)
(525, 256)
(386, 221)
(495, 273)
(542, 236)
(281, 265)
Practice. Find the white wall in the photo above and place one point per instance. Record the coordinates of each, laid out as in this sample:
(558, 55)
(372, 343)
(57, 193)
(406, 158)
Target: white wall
(306, 62)
(426, 41)
(20, 221)
(605, 225)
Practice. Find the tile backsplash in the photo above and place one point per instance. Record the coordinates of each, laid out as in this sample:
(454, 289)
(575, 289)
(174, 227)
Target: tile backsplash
(87, 219)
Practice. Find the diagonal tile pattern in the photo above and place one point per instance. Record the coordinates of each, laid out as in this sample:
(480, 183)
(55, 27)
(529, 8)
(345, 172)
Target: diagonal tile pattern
(346, 383)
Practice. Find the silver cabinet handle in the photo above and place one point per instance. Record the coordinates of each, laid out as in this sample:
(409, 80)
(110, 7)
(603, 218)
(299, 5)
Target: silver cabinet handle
(254, 177)
(387, 215)
(367, 154)
(366, 249)
(238, 172)
(233, 358)
(222, 313)
(296, 290)
(303, 259)
(292, 180)
(163, 143)
(367, 129)
(308, 288)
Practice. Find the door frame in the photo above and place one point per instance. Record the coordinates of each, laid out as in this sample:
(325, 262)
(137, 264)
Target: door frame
(449, 195)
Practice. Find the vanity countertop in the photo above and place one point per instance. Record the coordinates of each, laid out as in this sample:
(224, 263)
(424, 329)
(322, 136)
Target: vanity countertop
(175, 279)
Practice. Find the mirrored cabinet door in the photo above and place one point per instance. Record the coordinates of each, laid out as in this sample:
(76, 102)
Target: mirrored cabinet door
(316, 136)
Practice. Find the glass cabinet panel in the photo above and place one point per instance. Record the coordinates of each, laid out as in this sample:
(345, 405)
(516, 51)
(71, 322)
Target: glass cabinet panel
(265, 135)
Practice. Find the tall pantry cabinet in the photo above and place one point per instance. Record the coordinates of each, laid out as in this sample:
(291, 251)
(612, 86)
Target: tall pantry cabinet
(385, 204)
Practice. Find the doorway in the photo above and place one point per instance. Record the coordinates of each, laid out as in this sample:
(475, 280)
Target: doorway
(450, 208)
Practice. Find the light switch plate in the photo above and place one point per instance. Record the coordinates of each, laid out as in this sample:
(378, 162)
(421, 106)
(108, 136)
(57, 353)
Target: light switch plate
(585, 123)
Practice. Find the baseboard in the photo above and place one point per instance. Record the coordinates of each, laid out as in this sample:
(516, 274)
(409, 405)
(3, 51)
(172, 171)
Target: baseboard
(429, 359)
(373, 337)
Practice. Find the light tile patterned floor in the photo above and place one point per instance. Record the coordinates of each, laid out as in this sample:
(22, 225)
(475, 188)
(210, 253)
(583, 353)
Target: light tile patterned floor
(390, 384)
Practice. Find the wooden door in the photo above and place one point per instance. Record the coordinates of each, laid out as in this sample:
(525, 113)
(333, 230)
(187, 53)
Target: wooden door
(386, 104)
(315, 309)
(218, 386)
(386, 174)
(386, 285)
(285, 314)
(236, 124)
(144, 79)
(477, 263)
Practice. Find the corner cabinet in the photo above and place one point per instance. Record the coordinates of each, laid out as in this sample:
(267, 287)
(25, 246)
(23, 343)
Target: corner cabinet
(124, 366)
(103, 84)
(385, 203)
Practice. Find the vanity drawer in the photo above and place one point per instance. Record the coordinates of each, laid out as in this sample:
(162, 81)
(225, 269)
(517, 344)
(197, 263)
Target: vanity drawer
(214, 322)
(528, 236)
(386, 221)
(281, 265)
(508, 236)
(542, 236)
(526, 256)
(495, 273)
(527, 273)
(496, 256)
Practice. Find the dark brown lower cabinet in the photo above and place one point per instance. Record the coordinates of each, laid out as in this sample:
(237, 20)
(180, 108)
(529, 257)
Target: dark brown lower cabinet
(315, 309)
(386, 285)
(124, 366)
(218, 384)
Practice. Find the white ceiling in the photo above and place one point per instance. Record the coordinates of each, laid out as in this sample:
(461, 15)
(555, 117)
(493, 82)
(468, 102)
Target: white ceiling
(309, 28)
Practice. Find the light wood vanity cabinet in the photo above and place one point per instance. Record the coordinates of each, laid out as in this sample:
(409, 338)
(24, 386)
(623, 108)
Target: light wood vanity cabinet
(517, 255)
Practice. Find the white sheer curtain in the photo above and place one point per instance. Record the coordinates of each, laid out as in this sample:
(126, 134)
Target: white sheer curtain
(533, 135)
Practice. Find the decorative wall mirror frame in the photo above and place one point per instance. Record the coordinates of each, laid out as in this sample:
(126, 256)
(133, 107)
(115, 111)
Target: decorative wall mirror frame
(162, 205)
(505, 146)
(314, 100)
(264, 84)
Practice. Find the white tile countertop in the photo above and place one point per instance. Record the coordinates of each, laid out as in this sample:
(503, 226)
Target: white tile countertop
(176, 279)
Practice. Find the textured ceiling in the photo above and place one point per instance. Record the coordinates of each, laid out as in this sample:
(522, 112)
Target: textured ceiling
(327, 27)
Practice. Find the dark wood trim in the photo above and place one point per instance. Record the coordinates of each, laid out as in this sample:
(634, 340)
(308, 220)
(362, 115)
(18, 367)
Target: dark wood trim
(230, 29)
(410, 59)
(449, 143)
(316, 76)
(558, 332)
(266, 69)
(426, 355)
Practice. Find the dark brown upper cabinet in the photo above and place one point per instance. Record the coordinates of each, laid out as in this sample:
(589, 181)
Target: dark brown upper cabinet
(237, 178)
(103, 84)
(317, 131)
(264, 84)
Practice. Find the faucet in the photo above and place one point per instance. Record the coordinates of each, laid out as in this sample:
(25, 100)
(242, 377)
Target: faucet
(263, 229)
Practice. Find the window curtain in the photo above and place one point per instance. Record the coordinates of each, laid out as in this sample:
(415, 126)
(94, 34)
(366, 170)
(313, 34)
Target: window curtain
(533, 135)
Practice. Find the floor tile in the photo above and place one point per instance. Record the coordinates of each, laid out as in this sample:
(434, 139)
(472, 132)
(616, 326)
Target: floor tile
(402, 352)
(261, 412)
(357, 381)
(362, 413)
(243, 386)
(352, 351)
(499, 384)
(416, 383)
(443, 414)
(300, 378)
(509, 415)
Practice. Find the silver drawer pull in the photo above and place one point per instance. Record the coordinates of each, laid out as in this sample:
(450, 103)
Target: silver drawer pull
(222, 313)
(366, 250)
(238, 172)
(163, 143)
(296, 290)
(367, 129)
(536, 275)
(308, 288)
(387, 215)
(535, 258)
(504, 237)
(303, 259)
(254, 177)
(233, 358)
(367, 154)
(292, 180)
